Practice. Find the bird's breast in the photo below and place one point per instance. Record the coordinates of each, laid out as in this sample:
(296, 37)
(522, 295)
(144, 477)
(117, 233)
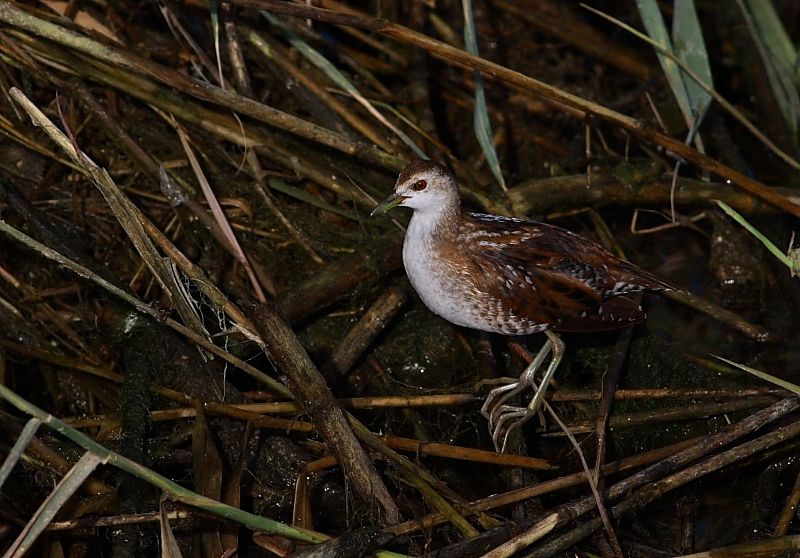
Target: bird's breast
(432, 278)
(447, 283)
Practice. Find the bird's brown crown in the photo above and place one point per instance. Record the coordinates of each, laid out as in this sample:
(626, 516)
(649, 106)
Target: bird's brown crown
(418, 167)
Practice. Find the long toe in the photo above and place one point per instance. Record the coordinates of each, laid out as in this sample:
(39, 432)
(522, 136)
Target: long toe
(497, 397)
(491, 401)
(498, 406)
(501, 401)
(494, 381)
(500, 411)
(506, 423)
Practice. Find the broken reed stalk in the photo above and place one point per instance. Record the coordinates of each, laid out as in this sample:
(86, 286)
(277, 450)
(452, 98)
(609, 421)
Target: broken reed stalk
(562, 193)
(789, 510)
(116, 520)
(364, 332)
(318, 402)
(137, 224)
(332, 423)
(670, 415)
(670, 461)
(121, 207)
(545, 487)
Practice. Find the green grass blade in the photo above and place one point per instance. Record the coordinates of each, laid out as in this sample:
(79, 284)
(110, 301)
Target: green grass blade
(16, 452)
(481, 122)
(56, 500)
(777, 252)
(654, 24)
(690, 48)
(774, 35)
(727, 105)
(794, 388)
(779, 64)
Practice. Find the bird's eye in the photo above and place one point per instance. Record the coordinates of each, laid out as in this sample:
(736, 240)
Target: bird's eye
(419, 185)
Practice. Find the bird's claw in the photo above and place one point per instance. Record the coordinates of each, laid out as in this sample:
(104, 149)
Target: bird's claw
(508, 418)
(504, 418)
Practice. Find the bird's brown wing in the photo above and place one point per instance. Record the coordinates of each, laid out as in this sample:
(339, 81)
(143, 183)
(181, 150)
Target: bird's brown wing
(557, 299)
(552, 276)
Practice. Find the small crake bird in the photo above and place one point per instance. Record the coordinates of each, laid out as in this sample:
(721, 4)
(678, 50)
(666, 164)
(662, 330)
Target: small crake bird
(510, 276)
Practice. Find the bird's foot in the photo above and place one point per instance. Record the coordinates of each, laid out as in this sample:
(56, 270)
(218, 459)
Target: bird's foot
(504, 418)
(497, 397)
(491, 402)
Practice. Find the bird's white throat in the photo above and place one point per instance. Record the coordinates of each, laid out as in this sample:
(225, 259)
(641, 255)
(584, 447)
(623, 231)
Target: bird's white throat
(424, 267)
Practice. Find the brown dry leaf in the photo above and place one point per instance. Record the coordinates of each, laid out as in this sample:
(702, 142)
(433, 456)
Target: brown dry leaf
(280, 546)
(231, 493)
(169, 546)
(83, 19)
(207, 481)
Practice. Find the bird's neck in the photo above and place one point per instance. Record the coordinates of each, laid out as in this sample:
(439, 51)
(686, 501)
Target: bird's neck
(435, 224)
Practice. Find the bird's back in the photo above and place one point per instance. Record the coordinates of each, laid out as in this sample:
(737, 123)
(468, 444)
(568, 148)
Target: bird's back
(546, 275)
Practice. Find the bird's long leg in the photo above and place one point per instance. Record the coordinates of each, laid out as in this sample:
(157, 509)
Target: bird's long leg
(496, 398)
(515, 417)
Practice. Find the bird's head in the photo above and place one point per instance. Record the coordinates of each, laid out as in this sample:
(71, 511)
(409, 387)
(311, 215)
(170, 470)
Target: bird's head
(422, 186)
